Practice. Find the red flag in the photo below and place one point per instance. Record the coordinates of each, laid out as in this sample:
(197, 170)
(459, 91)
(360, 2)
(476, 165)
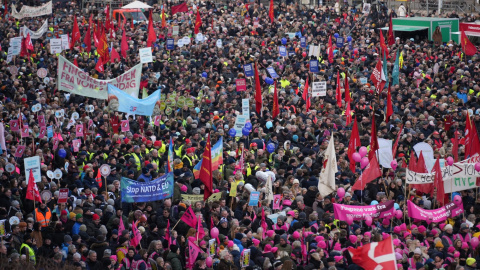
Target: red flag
(32, 189)
(353, 144)
(151, 31)
(99, 68)
(206, 170)
(23, 48)
(390, 37)
(389, 103)
(75, 32)
(412, 163)
(305, 91)
(96, 34)
(103, 48)
(338, 92)
(330, 50)
(472, 143)
(467, 46)
(258, 92)
(275, 109)
(114, 55)
(455, 147)
(378, 77)
(75, 62)
(189, 217)
(376, 255)
(373, 139)
(167, 234)
(98, 179)
(371, 172)
(271, 12)
(136, 237)
(28, 42)
(88, 36)
(263, 223)
(347, 89)
(179, 8)
(124, 45)
(420, 167)
(395, 145)
(164, 21)
(438, 181)
(5, 8)
(198, 23)
(383, 46)
(348, 114)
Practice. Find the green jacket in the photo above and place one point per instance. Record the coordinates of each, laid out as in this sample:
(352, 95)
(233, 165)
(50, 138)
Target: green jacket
(174, 260)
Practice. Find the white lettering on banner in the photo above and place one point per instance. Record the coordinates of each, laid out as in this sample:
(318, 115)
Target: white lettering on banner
(37, 34)
(319, 89)
(28, 11)
(74, 80)
(419, 178)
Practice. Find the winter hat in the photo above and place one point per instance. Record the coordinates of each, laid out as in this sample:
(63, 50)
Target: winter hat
(456, 254)
(403, 227)
(337, 246)
(322, 245)
(202, 243)
(95, 217)
(413, 227)
(256, 242)
(451, 249)
(385, 221)
(355, 227)
(442, 226)
(184, 188)
(471, 261)
(406, 234)
(78, 216)
(270, 233)
(122, 240)
(396, 242)
(67, 238)
(397, 230)
(239, 236)
(174, 248)
(464, 245)
(417, 251)
(83, 228)
(319, 238)
(369, 234)
(71, 215)
(296, 235)
(352, 238)
(419, 265)
(230, 244)
(338, 258)
(422, 229)
(439, 244)
(448, 227)
(267, 248)
(398, 256)
(385, 235)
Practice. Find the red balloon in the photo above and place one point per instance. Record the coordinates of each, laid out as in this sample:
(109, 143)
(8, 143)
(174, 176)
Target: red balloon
(304, 54)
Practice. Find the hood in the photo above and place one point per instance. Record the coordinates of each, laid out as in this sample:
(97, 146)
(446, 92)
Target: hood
(171, 255)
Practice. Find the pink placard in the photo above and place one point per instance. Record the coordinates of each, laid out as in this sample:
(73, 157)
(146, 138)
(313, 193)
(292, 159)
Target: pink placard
(125, 126)
(76, 145)
(79, 130)
(25, 131)
(241, 85)
(14, 126)
(43, 132)
(55, 143)
(381, 210)
(157, 120)
(41, 121)
(90, 123)
(20, 150)
(276, 201)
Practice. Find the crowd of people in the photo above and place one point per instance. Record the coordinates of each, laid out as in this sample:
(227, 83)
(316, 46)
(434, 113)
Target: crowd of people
(438, 90)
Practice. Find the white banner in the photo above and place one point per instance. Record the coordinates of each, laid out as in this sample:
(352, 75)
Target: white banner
(34, 34)
(319, 89)
(29, 12)
(412, 177)
(74, 80)
(460, 183)
(385, 155)
(427, 152)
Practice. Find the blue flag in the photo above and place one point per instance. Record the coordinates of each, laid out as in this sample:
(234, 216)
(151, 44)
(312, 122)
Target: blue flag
(120, 101)
(396, 69)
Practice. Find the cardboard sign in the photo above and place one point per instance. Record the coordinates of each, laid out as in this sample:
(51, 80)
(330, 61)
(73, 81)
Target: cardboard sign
(340, 42)
(282, 51)
(319, 89)
(55, 45)
(241, 85)
(146, 55)
(65, 42)
(62, 195)
(125, 125)
(246, 107)
(50, 132)
(272, 73)
(303, 42)
(33, 163)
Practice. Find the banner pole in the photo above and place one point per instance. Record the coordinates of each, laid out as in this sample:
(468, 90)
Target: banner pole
(176, 224)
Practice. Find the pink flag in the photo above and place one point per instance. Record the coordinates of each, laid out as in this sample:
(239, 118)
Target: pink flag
(264, 224)
(167, 234)
(189, 218)
(121, 226)
(193, 251)
(200, 231)
(303, 246)
(137, 236)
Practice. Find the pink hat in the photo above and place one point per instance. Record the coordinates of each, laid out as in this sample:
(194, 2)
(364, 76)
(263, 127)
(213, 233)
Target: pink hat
(406, 234)
(399, 250)
(267, 248)
(183, 188)
(230, 243)
(352, 238)
(274, 249)
(385, 221)
(369, 234)
(464, 245)
(442, 226)
(422, 229)
(413, 226)
(113, 257)
(396, 242)
(397, 230)
(337, 246)
(338, 258)
(255, 242)
(398, 256)
(307, 234)
(319, 238)
(451, 249)
(456, 254)
(322, 245)
(399, 266)
(403, 227)
(270, 233)
(478, 226)
(385, 235)
(291, 213)
(296, 235)
(202, 243)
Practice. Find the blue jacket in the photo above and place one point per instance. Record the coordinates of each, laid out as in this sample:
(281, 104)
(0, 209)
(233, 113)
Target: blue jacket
(76, 228)
(239, 244)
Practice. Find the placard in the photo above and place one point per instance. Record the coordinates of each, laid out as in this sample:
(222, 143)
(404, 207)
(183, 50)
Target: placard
(65, 42)
(50, 132)
(55, 45)
(25, 132)
(33, 163)
(282, 51)
(254, 197)
(170, 44)
(79, 130)
(239, 124)
(248, 69)
(272, 72)
(14, 126)
(175, 30)
(76, 145)
(241, 85)
(314, 66)
(62, 195)
(246, 107)
(319, 89)
(125, 125)
(340, 42)
(303, 42)
(145, 55)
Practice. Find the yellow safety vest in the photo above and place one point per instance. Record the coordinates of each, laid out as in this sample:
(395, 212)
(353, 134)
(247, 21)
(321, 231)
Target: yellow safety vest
(189, 159)
(137, 161)
(31, 253)
(178, 151)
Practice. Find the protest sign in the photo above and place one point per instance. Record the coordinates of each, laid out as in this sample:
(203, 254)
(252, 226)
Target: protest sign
(14, 126)
(15, 46)
(274, 217)
(246, 107)
(319, 89)
(272, 72)
(120, 101)
(25, 132)
(384, 153)
(412, 177)
(79, 130)
(158, 189)
(239, 124)
(248, 69)
(303, 42)
(170, 44)
(62, 195)
(24, 31)
(460, 183)
(76, 145)
(33, 163)
(436, 215)
(74, 80)
(212, 247)
(241, 85)
(340, 42)
(49, 132)
(314, 66)
(282, 51)
(29, 11)
(65, 42)
(254, 197)
(145, 55)
(55, 46)
(381, 210)
(125, 126)
(245, 258)
(277, 198)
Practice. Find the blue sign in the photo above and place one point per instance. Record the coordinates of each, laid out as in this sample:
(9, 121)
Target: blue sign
(303, 42)
(350, 45)
(170, 44)
(123, 102)
(155, 190)
(248, 68)
(272, 72)
(283, 51)
(314, 66)
(340, 42)
(50, 132)
(254, 197)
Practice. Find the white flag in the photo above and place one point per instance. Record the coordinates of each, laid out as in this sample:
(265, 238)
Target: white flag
(269, 190)
(326, 183)
(71, 122)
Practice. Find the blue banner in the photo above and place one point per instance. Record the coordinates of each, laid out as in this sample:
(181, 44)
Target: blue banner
(272, 72)
(282, 51)
(120, 101)
(248, 68)
(158, 189)
(340, 42)
(303, 42)
(254, 197)
(170, 44)
(314, 66)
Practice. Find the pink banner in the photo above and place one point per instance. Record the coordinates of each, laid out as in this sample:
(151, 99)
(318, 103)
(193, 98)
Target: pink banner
(438, 215)
(381, 210)
(193, 251)
(241, 85)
